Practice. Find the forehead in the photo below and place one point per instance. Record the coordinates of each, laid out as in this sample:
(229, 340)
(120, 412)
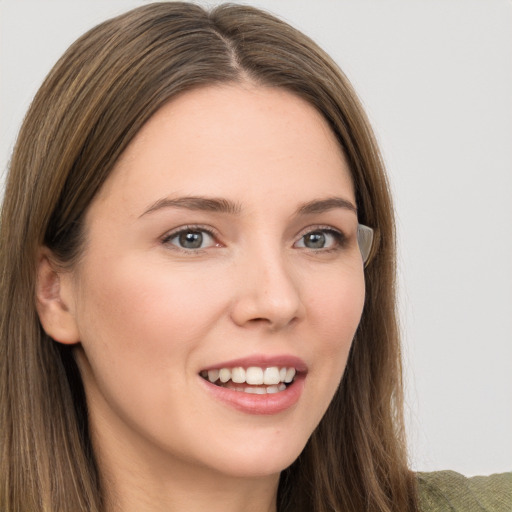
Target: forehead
(233, 140)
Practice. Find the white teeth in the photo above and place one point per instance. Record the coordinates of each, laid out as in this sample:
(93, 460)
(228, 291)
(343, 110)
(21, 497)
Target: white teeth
(225, 374)
(213, 375)
(254, 376)
(262, 390)
(238, 375)
(290, 374)
(271, 375)
(256, 391)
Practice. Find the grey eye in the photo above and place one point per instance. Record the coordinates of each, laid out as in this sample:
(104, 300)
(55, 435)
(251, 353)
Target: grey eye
(314, 240)
(191, 239)
(320, 239)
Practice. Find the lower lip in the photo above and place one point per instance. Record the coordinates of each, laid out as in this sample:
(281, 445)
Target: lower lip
(270, 403)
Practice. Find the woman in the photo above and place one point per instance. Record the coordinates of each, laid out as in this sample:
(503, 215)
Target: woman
(187, 316)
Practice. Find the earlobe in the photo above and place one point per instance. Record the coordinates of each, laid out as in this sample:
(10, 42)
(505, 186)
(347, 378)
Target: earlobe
(54, 300)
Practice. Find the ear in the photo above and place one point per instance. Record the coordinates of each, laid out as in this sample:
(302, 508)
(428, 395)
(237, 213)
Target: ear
(54, 300)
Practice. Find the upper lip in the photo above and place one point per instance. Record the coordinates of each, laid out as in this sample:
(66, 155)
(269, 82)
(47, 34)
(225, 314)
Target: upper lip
(262, 361)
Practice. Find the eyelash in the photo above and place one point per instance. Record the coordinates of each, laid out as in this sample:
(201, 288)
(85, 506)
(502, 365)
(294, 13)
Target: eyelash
(166, 240)
(339, 238)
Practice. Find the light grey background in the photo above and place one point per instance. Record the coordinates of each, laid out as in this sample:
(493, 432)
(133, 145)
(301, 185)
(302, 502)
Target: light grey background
(436, 79)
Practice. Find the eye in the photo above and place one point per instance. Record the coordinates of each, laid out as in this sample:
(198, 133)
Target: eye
(190, 239)
(326, 239)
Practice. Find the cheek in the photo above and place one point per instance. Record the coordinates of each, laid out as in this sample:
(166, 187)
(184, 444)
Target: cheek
(140, 327)
(144, 305)
(337, 304)
(335, 311)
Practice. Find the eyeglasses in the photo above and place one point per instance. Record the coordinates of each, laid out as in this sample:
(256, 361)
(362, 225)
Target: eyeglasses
(366, 240)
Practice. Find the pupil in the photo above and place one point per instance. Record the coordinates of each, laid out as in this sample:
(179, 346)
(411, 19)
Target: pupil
(315, 240)
(191, 240)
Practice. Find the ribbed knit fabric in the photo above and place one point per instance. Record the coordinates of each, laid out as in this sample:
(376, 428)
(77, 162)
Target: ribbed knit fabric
(448, 491)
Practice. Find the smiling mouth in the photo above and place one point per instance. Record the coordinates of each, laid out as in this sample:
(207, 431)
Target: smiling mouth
(254, 379)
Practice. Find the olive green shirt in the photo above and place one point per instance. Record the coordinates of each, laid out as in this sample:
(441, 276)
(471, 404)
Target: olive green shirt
(448, 491)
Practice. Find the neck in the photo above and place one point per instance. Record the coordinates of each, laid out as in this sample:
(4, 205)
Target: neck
(205, 491)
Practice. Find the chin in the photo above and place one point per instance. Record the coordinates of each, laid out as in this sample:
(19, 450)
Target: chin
(257, 459)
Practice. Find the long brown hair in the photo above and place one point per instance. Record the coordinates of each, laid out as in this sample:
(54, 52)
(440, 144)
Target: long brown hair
(93, 102)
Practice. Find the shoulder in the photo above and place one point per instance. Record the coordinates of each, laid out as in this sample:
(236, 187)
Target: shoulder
(448, 491)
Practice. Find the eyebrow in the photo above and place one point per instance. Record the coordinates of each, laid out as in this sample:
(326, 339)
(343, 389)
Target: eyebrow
(324, 205)
(220, 205)
(196, 203)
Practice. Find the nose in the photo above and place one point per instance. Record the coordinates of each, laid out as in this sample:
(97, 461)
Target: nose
(268, 294)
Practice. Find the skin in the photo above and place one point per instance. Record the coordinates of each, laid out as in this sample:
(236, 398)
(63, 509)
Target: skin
(147, 316)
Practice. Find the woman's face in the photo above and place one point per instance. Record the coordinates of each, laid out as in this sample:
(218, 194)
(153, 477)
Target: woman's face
(222, 247)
